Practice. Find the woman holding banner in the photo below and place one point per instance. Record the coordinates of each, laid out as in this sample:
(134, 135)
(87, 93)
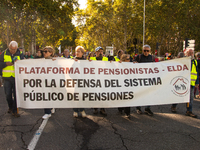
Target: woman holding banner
(125, 58)
(48, 53)
(79, 56)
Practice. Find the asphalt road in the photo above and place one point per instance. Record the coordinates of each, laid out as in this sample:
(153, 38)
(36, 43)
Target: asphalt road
(163, 131)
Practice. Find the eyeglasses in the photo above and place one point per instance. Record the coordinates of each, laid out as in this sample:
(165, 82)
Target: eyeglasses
(45, 51)
(127, 58)
(146, 50)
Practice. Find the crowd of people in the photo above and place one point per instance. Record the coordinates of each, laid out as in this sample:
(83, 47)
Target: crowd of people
(14, 53)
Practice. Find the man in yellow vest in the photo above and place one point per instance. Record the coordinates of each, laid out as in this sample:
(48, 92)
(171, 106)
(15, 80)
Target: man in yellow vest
(194, 82)
(99, 57)
(7, 59)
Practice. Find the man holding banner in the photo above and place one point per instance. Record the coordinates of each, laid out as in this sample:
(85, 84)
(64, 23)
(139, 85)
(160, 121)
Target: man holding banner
(7, 60)
(145, 58)
(99, 56)
(194, 83)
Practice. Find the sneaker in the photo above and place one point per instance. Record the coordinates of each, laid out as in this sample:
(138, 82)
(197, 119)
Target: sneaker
(128, 116)
(148, 111)
(75, 114)
(173, 109)
(138, 110)
(95, 111)
(9, 111)
(189, 113)
(102, 111)
(53, 110)
(46, 116)
(83, 114)
(16, 115)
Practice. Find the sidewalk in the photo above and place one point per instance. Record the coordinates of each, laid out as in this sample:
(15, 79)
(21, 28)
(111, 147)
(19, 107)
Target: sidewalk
(164, 130)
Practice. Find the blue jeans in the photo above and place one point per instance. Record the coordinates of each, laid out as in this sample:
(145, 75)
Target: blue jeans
(78, 109)
(9, 88)
(189, 105)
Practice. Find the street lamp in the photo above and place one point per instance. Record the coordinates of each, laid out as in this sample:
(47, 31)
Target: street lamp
(144, 25)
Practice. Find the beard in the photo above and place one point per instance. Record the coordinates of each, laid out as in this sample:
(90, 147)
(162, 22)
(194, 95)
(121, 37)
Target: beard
(100, 56)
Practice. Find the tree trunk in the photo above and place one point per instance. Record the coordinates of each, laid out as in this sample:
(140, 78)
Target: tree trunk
(22, 44)
(32, 40)
(8, 34)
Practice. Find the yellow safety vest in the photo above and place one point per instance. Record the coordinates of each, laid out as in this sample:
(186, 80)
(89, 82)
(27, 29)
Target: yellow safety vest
(116, 58)
(193, 74)
(69, 56)
(103, 59)
(8, 71)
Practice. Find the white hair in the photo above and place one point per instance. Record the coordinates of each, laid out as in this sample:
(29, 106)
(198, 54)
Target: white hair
(146, 46)
(187, 52)
(66, 50)
(80, 48)
(13, 44)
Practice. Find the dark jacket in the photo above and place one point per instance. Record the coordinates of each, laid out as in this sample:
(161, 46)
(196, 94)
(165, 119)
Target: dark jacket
(198, 62)
(144, 59)
(3, 64)
(82, 58)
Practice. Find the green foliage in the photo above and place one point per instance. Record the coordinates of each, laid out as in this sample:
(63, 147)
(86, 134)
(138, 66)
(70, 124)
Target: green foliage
(46, 22)
(118, 22)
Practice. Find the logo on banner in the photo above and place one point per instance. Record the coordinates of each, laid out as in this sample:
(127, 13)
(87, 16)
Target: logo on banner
(180, 86)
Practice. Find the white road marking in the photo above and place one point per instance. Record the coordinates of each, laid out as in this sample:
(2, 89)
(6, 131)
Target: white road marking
(36, 137)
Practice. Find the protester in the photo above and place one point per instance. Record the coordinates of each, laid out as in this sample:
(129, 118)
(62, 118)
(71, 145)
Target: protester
(145, 58)
(26, 53)
(39, 54)
(7, 60)
(21, 49)
(48, 53)
(60, 55)
(173, 107)
(66, 54)
(197, 88)
(56, 55)
(117, 58)
(79, 51)
(125, 58)
(119, 54)
(169, 57)
(91, 54)
(156, 58)
(99, 57)
(29, 56)
(194, 83)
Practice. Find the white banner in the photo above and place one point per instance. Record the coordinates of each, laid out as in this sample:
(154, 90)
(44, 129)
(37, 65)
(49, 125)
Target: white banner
(65, 83)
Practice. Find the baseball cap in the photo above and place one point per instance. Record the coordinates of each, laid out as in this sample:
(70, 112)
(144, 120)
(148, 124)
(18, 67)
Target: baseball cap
(98, 48)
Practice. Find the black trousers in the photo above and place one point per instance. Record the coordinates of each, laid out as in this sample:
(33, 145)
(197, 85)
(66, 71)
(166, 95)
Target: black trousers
(127, 110)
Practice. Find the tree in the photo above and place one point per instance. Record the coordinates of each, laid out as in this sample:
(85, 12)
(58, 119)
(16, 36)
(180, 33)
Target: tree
(41, 22)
